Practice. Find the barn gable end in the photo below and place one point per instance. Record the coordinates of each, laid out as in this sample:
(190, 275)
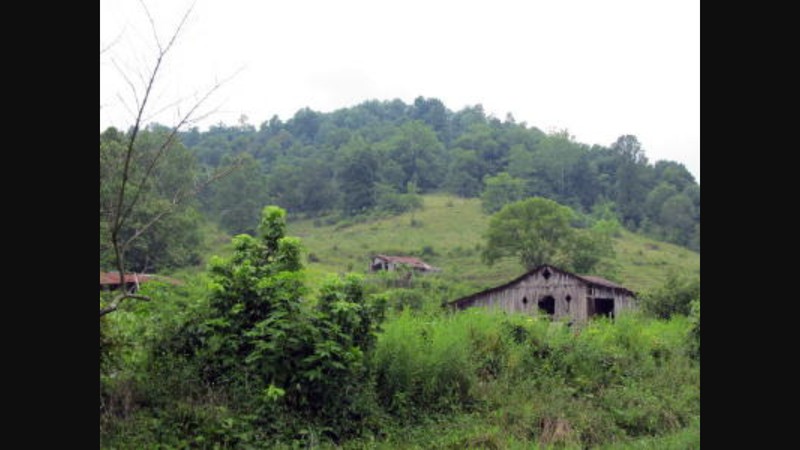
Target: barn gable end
(558, 293)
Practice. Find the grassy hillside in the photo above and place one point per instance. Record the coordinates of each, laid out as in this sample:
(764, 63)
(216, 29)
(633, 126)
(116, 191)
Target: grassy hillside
(448, 232)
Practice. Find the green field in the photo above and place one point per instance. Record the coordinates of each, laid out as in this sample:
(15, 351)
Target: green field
(447, 233)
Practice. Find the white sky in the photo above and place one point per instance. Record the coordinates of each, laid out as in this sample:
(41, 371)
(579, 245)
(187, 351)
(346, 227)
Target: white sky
(600, 69)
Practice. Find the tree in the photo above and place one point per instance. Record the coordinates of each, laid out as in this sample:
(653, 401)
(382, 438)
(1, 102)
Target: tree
(357, 176)
(538, 231)
(535, 230)
(132, 168)
(463, 177)
(263, 340)
(501, 190)
(417, 150)
(630, 186)
(237, 199)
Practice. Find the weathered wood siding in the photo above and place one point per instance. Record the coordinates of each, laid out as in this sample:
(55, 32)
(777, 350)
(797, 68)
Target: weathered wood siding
(536, 287)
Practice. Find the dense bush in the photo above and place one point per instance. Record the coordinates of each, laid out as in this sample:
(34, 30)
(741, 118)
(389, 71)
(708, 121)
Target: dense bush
(675, 296)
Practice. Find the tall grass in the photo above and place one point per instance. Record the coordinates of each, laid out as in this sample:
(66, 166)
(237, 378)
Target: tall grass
(541, 382)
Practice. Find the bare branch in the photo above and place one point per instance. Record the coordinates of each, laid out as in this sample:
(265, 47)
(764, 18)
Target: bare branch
(132, 186)
(118, 300)
(152, 25)
(128, 81)
(113, 42)
(180, 196)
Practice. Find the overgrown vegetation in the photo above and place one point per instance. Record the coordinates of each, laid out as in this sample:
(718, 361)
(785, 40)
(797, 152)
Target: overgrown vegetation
(249, 357)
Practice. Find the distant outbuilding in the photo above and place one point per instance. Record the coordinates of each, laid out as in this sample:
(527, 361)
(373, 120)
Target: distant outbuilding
(110, 281)
(555, 292)
(391, 263)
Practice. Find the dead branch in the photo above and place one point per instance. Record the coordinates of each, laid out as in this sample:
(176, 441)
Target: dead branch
(130, 189)
(118, 300)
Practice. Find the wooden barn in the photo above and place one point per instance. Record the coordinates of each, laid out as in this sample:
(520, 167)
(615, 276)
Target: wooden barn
(390, 263)
(558, 293)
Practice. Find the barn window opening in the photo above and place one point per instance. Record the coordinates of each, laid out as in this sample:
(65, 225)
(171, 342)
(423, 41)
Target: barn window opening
(524, 300)
(568, 299)
(604, 307)
(548, 304)
(546, 274)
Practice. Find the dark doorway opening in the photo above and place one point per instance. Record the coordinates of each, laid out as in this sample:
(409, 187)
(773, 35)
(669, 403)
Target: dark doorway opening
(548, 304)
(604, 307)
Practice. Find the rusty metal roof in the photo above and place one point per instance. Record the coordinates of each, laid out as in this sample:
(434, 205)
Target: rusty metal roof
(108, 278)
(601, 281)
(410, 260)
(112, 278)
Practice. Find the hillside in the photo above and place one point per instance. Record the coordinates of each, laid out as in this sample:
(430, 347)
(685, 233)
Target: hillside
(447, 233)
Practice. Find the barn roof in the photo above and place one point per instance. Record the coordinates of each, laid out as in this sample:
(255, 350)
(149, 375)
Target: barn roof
(602, 282)
(409, 260)
(112, 278)
(590, 280)
(109, 278)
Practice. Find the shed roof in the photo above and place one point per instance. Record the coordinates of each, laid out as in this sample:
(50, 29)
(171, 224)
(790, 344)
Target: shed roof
(113, 278)
(409, 260)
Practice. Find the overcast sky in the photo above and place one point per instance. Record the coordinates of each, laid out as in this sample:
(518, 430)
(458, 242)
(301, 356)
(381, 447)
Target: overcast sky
(600, 69)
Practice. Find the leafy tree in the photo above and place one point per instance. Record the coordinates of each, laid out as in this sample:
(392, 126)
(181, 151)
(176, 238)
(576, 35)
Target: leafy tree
(656, 198)
(674, 173)
(587, 248)
(357, 175)
(676, 215)
(675, 296)
(630, 185)
(482, 138)
(418, 152)
(464, 174)
(130, 168)
(538, 231)
(264, 342)
(501, 190)
(391, 201)
(534, 230)
(236, 200)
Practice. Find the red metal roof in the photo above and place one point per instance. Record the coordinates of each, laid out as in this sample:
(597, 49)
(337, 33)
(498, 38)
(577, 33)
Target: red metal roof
(112, 278)
(602, 282)
(109, 278)
(410, 261)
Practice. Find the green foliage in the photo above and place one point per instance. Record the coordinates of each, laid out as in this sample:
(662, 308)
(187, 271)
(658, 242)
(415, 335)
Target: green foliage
(157, 234)
(694, 331)
(538, 231)
(675, 296)
(237, 199)
(274, 352)
(316, 163)
(476, 378)
(532, 230)
(500, 191)
(392, 202)
(357, 176)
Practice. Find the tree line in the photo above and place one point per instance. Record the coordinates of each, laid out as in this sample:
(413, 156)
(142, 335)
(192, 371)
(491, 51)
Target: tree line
(379, 156)
(376, 155)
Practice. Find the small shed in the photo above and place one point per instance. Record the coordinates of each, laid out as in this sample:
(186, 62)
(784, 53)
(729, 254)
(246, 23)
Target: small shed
(110, 281)
(555, 292)
(391, 263)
